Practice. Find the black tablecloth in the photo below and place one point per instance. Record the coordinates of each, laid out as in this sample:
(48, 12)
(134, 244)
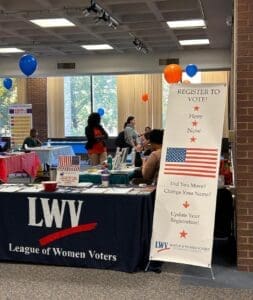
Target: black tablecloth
(108, 231)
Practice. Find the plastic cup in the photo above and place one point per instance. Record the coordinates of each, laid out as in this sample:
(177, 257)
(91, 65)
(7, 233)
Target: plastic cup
(49, 186)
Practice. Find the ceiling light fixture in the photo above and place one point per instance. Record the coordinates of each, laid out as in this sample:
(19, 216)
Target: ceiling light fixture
(101, 15)
(194, 42)
(55, 22)
(11, 50)
(195, 23)
(97, 47)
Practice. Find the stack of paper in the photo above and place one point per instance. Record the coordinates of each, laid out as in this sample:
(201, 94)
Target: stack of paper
(114, 190)
(95, 190)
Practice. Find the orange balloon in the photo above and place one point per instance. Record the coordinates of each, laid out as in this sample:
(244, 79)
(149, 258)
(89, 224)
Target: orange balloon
(144, 97)
(173, 73)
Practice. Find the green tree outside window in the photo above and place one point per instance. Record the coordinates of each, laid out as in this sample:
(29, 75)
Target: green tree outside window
(105, 96)
(78, 102)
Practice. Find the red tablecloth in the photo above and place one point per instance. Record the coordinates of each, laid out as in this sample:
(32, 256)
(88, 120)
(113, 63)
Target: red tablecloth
(22, 162)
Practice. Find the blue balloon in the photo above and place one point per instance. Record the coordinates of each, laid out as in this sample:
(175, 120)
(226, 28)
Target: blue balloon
(27, 64)
(191, 70)
(101, 112)
(7, 82)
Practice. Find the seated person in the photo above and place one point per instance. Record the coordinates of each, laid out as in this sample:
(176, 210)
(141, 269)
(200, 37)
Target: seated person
(150, 166)
(32, 140)
(143, 149)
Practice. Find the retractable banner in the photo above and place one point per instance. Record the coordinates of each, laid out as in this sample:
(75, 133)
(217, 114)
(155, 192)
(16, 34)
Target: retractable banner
(187, 185)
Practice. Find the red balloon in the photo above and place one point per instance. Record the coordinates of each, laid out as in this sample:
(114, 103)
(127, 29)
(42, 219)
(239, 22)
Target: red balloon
(144, 97)
(173, 73)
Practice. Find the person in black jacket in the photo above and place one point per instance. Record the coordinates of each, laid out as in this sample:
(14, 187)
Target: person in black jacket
(96, 135)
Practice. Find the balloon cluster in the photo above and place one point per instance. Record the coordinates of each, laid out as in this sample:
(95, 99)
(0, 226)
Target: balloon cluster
(27, 65)
(173, 72)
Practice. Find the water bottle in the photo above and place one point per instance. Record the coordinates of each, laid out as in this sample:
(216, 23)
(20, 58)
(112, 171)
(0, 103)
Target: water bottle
(109, 162)
(49, 142)
(105, 178)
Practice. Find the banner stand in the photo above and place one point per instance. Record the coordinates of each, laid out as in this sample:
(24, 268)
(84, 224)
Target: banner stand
(185, 205)
(148, 265)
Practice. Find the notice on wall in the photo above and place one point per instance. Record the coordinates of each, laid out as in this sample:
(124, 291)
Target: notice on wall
(187, 185)
(68, 170)
(20, 120)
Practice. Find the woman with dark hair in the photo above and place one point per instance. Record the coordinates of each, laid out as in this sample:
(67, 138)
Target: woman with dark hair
(150, 165)
(131, 136)
(96, 135)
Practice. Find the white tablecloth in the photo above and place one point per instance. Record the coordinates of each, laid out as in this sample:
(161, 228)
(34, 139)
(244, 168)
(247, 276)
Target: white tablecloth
(49, 155)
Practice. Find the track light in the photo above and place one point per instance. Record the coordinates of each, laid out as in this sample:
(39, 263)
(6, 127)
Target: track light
(140, 46)
(91, 8)
(101, 15)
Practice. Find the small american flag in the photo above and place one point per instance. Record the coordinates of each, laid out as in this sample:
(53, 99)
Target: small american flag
(68, 160)
(197, 162)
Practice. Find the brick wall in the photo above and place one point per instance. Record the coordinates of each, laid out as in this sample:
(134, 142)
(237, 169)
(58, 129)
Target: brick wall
(37, 96)
(244, 135)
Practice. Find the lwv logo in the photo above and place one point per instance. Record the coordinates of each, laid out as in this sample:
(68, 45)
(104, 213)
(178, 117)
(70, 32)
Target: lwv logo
(55, 213)
(162, 246)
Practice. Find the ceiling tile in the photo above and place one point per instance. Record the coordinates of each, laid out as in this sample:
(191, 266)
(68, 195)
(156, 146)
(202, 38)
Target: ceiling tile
(145, 19)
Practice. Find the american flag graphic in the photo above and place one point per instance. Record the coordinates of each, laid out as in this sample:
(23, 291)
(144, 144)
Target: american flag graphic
(197, 162)
(68, 160)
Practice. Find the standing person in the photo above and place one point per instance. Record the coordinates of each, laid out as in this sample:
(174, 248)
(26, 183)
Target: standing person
(96, 135)
(32, 140)
(131, 136)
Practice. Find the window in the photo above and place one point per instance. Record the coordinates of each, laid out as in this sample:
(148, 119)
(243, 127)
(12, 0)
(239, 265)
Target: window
(84, 94)
(77, 95)
(7, 97)
(105, 97)
(165, 97)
